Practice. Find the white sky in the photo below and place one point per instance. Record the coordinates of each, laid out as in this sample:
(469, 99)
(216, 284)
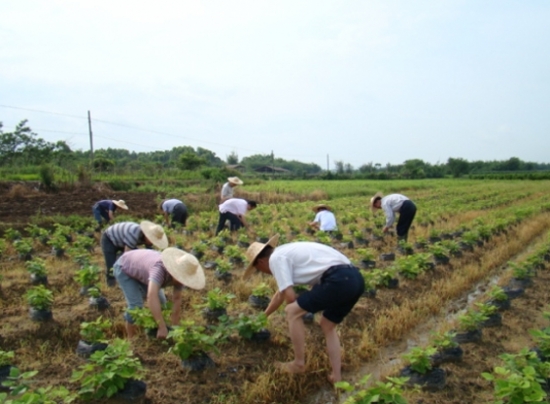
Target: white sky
(360, 80)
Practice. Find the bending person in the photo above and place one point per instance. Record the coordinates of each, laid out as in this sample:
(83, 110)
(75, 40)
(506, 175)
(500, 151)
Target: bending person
(104, 211)
(392, 204)
(234, 210)
(174, 211)
(324, 218)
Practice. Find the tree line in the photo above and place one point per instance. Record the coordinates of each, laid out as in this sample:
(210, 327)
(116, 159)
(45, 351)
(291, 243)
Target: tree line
(23, 148)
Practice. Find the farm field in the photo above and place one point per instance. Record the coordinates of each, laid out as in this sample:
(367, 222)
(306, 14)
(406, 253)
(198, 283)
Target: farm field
(487, 231)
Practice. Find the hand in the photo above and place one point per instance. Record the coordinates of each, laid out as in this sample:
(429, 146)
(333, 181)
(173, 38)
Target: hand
(162, 332)
(385, 229)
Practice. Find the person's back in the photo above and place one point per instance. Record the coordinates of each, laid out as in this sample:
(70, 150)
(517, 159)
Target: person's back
(326, 220)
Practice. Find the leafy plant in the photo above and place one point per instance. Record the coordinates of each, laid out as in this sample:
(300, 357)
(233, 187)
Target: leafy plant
(23, 246)
(262, 290)
(438, 250)
(143, 317)
(94, 292)
(216, 299)
(371, 279)
(94, 331)
(486, 309)
(471, 320)
(222, 265)
(79, 255)
(58, 241)
(365, 254)
(388, 392)
(107, 371)
(39, 297)
(247, 326)
(87, 275)
(199, 247)
(12, 234)
(420, 359)
(19, 385)
(190, 338)
(6, 357)
(36, 267)
(497, 293)
(522, 386)
(444, 340)
(408, 267)
(84, 242)
(520, 271)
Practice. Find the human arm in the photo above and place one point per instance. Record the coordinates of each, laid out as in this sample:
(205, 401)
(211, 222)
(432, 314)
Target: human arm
(241, 218)
(111, 214)
(153, 302)
(288, 295)
(166, 218)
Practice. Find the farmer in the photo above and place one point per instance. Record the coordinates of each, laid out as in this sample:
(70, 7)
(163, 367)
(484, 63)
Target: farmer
(337, 286)
(104, 210)
(234, 210)
(174, 211)
(324, 218)
(125, 236)
(227, 188)
(392, 204)
(141, 274)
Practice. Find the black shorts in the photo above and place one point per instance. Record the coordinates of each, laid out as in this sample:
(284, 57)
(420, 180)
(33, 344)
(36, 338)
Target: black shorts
(340, 288)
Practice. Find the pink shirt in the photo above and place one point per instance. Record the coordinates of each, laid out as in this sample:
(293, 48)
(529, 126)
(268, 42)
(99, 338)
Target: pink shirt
(146, 265)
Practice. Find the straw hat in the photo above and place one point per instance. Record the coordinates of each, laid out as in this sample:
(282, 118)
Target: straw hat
(376, 195)
(183, 267)
(235, 180)
(254, 250)
(322, 205)
(121, 204)
(154, 233)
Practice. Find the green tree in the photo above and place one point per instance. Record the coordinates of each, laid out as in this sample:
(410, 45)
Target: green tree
(190, 161)
(457, 166)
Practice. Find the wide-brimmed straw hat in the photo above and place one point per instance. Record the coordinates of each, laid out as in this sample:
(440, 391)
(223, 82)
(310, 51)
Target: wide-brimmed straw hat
(235, 180)
(254, 250)
(376, 196)
(121, 204)
(184, 267)
(321, 205)
(154, 233)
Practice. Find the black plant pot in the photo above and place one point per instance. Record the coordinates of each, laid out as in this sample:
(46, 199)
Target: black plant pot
(223, 276)
(457, 254)
(501, 304)
(197, 362)
(387, 257)
(494, 320)
(361, 241)
(368, 264)
(263, 239)
(198, 254)
(347, 244)
(100, 303)
(261, 336)
(210, 265)
(85, 349)
(434, 240)
(432, 380)
(236, 261)
(448, 355)
(39, 279)
(58, 252)
(4, 373)
(259, 302)
(40, 315)
(25, 257)
(465, 246)
(134, 392)
(441, 260)
(468, 336)
(243, 244)
(514, 292)
(393, 283)
(522, 283)
(213, 315)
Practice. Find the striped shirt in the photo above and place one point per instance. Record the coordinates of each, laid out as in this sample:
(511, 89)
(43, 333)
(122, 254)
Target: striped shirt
(124, 234)
(146, 266)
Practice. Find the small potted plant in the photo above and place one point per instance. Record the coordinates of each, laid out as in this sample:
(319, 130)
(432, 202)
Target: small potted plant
(198, 249)
(389, 391)
(143, 318)
(6, 361)
(494, 318)
(408, 267)
(12, 234)
(420, 370)
(470, 326)
(111, 373)
(192, 344)
(387, 256)
(421, 243)
(522, 274)
(59, 244)
(440, 253)
(498, 298)
(448, 350)
(360, 238)
(387, 277)
(222, 270)
(366, 255)
(262, 236)
(405, 248)
(242, 240)
(218, 244)
(97, 300)
(40, 300)
(216, 304)
(93, 337)
(253, 328)
(260, 296)
(234, 254)
(24, 249)
(371, 280)
(87, 277)
(37, 269)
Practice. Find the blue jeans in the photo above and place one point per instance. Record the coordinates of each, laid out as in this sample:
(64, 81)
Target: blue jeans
(134, 291)
(100, 215)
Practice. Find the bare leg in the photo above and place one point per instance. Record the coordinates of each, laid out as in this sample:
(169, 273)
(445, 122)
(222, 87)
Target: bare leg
(131, 330)
(297, 335)
(333, 349)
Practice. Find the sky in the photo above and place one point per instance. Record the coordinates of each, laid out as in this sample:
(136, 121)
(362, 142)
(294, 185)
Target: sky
(320, 81)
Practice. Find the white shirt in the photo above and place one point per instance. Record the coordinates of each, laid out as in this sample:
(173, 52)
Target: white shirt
(326, 220)
(236, 206)
(303, 263)
(390, 205)
(227, 191)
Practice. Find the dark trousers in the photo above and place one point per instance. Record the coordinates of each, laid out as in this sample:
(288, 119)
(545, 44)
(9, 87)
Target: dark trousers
(110, 253)
(179, 214)
(234, 222)
(406, 216)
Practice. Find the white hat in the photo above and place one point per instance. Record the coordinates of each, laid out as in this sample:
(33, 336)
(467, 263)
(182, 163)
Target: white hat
(254, 250)
(121, 204)
(183, 267)
(235, 180)
(154, 233)
(374, 198)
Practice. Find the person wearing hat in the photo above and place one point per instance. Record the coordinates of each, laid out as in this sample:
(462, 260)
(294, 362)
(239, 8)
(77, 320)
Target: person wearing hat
(174, 211)
(104, 210)
(392, 204)
(336, 284)
(324, 218)
(227, 188)
(125, 236)
(234, 210)
(141, 274)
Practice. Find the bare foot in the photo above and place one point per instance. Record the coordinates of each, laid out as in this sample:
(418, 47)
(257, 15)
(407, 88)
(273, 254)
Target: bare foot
(333, 379)
(290, 367)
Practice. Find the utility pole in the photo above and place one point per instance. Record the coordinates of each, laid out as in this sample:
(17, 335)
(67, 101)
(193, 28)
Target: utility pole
(327, 164)
(91, 141)
(272, 165)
